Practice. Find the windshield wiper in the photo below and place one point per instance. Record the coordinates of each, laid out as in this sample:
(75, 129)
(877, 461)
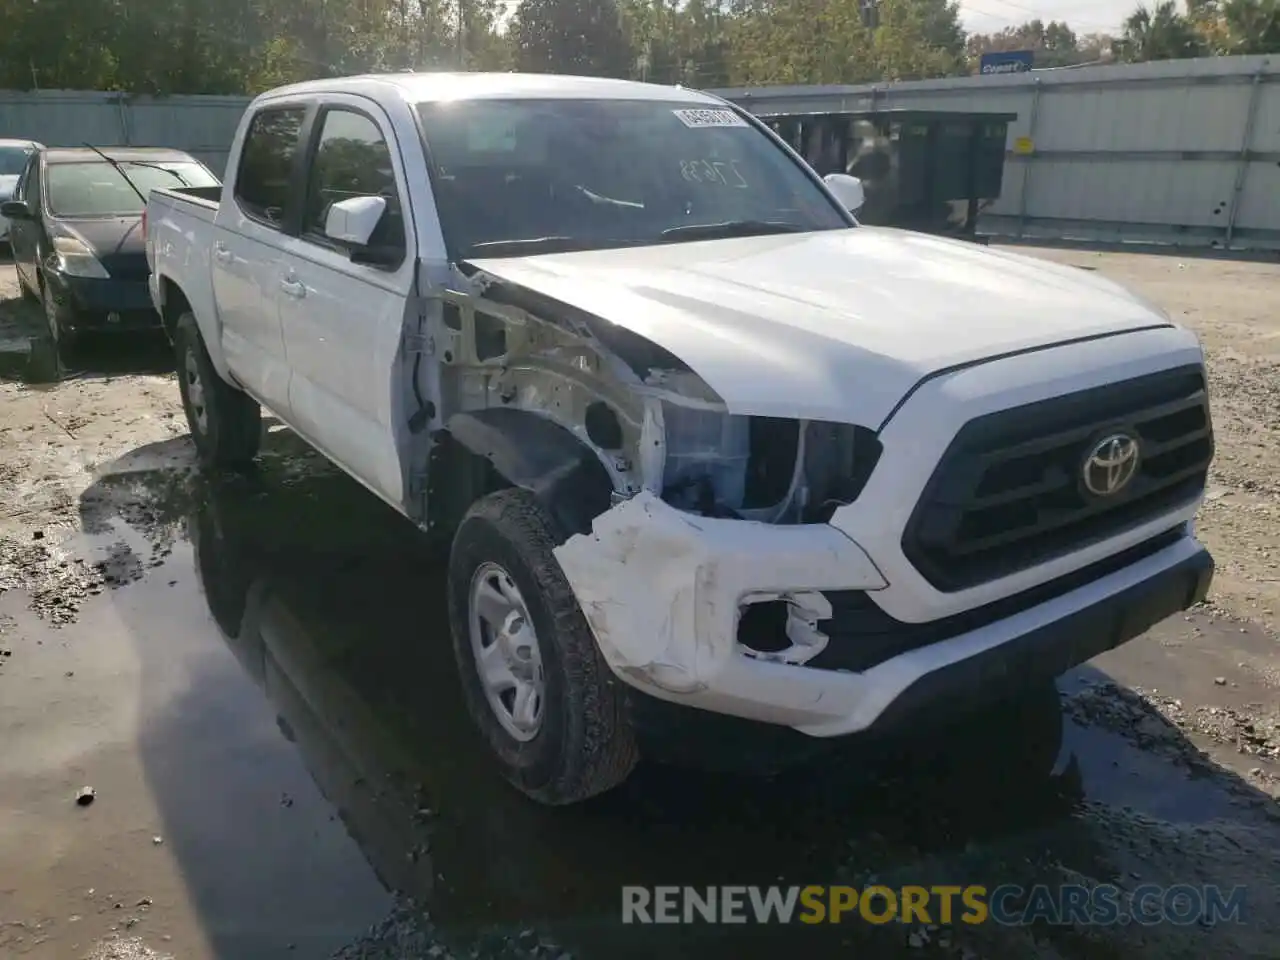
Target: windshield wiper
(155, 166)
(731, 228)
(120, 170)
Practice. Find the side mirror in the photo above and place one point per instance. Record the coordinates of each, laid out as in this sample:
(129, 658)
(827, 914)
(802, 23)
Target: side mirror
(848, 190)
(15, 210)
(352, 222)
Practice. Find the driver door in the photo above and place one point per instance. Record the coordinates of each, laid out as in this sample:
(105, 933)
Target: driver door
(343, 321)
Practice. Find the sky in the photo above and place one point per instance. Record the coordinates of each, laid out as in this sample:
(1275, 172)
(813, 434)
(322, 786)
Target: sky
(1083, 16)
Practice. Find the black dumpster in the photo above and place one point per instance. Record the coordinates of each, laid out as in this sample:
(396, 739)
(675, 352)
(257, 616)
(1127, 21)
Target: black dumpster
(926, 170)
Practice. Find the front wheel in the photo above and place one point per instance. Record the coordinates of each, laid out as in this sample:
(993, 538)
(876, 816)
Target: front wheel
(28, 294)
(225, 423)
(1015, 739)
(534, 682)
(60, 320)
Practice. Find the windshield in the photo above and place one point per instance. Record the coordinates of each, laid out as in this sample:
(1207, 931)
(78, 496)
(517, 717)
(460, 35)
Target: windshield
(587, 174)
(94, 188)
(13, 160)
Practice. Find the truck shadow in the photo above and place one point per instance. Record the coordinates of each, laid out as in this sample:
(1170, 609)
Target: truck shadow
(334, 611)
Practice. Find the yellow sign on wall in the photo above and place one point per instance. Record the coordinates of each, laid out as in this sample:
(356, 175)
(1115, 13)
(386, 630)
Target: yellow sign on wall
(1024, 146)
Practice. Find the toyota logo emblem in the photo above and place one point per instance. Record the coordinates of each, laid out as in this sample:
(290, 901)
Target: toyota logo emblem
(1110, 465)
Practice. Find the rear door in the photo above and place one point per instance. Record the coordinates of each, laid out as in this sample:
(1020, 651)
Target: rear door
(343, 321)
(250, 233)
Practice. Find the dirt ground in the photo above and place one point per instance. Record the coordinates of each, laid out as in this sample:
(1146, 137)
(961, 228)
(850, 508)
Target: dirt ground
(253, 680)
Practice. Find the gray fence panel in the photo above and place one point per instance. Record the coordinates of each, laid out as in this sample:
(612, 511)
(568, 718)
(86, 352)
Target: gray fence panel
(1184, 151)
(202, 126)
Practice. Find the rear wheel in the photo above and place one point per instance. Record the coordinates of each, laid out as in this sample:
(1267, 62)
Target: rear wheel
(225, 423)
(535, 684)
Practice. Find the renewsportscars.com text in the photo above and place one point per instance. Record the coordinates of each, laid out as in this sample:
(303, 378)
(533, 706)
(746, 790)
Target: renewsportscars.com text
(1008, 904)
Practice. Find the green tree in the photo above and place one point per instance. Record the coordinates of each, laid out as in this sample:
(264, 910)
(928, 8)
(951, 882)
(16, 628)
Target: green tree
(571, 36)
(1159, 33)
(1055, 44)
(918, 39)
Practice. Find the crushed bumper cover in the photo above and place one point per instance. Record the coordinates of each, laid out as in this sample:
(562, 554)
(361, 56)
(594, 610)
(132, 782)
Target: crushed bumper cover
(662, 591)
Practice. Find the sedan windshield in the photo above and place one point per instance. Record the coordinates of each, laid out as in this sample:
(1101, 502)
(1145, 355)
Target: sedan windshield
(530, 176)
(94, 188)
(13, 160)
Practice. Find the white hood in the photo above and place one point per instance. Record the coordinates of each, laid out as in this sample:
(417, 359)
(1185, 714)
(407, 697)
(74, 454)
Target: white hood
(837, 325)
(7, 183)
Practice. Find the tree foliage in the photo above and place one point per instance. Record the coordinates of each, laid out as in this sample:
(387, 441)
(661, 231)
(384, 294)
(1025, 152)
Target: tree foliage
(1055, 44)
(570, 36)
(244, 46)
(1202, 28)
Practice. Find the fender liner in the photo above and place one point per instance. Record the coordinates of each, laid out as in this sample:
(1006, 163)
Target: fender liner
(539, 455)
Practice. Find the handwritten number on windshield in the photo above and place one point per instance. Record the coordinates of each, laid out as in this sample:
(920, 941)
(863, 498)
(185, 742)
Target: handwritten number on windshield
(719, 172)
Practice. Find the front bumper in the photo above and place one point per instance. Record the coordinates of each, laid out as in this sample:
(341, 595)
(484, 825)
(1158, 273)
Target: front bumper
(662, 592)
(110, 304)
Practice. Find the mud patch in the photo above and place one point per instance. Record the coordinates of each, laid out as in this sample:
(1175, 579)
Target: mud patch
(56, 583)
(125, 948)
(1159, 724)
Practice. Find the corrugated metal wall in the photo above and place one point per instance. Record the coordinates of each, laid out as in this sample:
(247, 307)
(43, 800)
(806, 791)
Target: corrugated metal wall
(1184, 151)
(202, 126)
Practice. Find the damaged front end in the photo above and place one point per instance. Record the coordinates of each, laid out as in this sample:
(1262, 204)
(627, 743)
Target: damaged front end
(710, 550)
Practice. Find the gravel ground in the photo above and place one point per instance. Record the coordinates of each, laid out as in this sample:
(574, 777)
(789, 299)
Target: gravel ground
(96, 494)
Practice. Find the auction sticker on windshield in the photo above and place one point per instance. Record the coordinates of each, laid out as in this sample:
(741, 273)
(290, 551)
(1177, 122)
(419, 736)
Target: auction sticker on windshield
(709, 118)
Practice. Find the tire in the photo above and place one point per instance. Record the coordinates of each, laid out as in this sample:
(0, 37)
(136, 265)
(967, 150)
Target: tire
(582, 744)
(59, 321)
(28, 294)
(225, 423)
(1019, 738)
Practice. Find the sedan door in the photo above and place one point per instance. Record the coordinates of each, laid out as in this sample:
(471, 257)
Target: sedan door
(342, 320)
(24, 235)
(248, 251)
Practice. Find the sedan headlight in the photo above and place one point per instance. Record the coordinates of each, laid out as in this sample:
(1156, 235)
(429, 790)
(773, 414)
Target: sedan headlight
(75, 259)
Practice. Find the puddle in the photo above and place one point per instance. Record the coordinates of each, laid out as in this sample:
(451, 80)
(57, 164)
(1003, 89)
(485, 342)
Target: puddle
(302, 738)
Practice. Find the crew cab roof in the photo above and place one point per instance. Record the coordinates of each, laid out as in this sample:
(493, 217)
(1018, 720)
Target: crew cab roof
(421, 87)
(119, 154)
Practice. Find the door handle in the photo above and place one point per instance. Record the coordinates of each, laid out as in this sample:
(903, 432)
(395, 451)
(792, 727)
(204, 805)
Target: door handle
(293, 288)
(220, 252)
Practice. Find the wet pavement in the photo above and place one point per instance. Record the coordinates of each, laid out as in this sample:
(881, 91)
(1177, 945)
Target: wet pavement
(259, 687)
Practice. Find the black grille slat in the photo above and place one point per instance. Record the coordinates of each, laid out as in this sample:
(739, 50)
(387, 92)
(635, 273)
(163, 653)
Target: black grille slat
(1007, 495)
(861, 635)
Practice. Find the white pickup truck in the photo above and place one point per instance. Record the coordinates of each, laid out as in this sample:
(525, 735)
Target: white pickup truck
(698, 438)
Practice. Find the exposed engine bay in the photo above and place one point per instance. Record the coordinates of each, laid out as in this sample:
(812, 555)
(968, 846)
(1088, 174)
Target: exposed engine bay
(652, 422)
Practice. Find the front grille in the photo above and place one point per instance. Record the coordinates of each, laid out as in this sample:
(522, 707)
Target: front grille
(861, 635)
(1008, 493)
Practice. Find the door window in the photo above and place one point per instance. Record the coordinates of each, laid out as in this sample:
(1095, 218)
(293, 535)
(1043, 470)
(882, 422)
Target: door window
(352, 160)
(265, 177)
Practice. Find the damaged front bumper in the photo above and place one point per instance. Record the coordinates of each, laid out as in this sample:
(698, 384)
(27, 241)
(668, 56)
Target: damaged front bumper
(663, 592)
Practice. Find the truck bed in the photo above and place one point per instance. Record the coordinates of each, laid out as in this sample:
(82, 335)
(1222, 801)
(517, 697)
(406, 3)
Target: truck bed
(203, 197)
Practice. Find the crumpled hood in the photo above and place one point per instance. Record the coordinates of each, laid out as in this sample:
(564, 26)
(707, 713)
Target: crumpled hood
(837, 325)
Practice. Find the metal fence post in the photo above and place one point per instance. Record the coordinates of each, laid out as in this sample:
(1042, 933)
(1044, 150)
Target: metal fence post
(122, 113)
(1246, 140)
(1029, 160)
